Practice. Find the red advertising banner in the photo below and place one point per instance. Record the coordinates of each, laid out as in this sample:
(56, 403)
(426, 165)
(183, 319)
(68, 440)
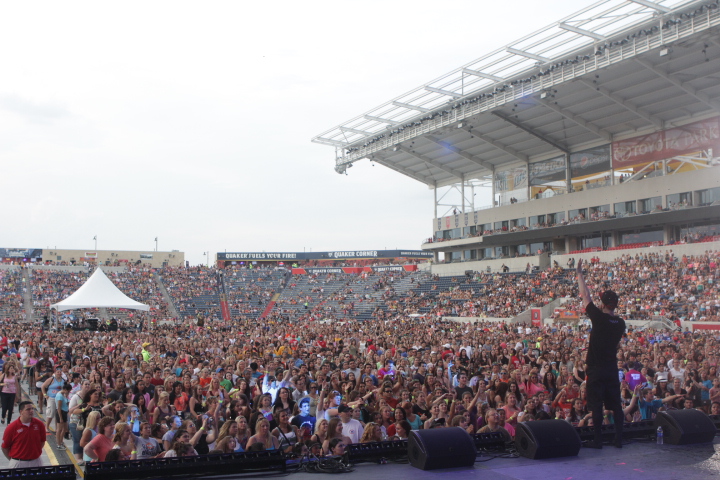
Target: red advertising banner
(536, 316)
(705, 326)
(666, 144)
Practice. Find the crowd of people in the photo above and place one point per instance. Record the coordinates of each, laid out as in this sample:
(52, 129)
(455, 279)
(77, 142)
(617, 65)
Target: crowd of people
(139, 283)
(249, 290)
(186, 284)
(652, 285)
(11, 293)
(304, 385)
(51, 286)
(183, 390)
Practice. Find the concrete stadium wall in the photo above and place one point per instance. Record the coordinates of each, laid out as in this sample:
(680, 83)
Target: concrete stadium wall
(514, 264)
(173, 259)
(624, 192)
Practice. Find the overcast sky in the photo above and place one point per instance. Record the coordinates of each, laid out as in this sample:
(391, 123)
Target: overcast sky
(191, 121)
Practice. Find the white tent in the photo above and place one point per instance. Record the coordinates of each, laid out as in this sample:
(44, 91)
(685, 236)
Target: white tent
(98, 292)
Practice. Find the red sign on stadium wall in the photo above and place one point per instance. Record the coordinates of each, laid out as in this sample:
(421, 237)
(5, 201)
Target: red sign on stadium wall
(536, 316)
(667, 144)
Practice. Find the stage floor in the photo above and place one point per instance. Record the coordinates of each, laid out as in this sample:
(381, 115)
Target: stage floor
(637, 460)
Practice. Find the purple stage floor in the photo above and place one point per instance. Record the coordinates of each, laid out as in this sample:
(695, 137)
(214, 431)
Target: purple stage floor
(637, 460)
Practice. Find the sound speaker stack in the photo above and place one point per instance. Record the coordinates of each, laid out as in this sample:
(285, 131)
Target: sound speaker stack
(547, 439)
(685, 427)
(441, 448)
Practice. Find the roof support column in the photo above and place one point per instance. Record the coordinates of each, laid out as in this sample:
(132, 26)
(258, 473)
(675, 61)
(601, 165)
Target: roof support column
(493, 187)
(568, 174)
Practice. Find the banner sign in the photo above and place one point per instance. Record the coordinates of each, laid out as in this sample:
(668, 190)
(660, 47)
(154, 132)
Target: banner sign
(355, 270)
(344, 255)
(512, 179)
(705, 326)
(589, 162)
(536, 316)
(669, 143)
(20, 252)
(565, 314)
(547, 171)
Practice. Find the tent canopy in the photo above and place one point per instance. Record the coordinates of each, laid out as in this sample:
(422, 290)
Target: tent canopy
(98, 292)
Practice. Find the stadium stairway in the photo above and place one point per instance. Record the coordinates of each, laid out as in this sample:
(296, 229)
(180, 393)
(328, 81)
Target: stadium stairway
(166, 296)
(27, 295)
(546, 311)
(270, 306)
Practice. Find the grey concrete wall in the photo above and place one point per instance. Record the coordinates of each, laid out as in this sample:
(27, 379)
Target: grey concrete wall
(514, 264)
(175, 259)
(624, 192)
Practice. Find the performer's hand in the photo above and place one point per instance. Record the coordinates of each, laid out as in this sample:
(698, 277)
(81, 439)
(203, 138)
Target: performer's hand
(579, 266)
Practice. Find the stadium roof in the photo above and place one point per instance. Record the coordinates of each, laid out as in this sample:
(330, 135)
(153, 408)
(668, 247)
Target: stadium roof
(613, 70)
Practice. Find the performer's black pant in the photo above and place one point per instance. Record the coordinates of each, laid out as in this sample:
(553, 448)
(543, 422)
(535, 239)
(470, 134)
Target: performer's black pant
(603, 387)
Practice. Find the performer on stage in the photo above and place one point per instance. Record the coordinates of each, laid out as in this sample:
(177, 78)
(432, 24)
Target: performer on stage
(603, 383)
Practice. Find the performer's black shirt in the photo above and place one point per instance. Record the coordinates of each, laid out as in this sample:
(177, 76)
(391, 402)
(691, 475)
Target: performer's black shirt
(607, 331)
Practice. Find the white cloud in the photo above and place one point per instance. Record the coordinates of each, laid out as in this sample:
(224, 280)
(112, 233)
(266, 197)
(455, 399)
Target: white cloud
(192, 121)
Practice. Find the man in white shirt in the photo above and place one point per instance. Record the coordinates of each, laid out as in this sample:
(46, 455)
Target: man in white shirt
(675, 366)
(351, 428)
(271, 386)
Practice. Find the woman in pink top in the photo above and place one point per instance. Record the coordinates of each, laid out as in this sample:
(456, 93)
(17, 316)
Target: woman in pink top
(99, 446)
(8, 391)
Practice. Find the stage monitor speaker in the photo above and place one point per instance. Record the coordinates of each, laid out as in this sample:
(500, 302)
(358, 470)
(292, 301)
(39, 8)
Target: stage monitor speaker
(441, 448)
(58, 472)
(489, 441)
(376, 451)
(716, 420)
(184, 467)
(684, 427)
(546, 439)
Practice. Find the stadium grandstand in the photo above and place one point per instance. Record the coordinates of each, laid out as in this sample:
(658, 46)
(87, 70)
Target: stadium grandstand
(598, 134)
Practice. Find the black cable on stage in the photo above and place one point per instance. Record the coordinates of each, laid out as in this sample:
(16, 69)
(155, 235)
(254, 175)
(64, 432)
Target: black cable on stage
(315, 464)
(508, 452)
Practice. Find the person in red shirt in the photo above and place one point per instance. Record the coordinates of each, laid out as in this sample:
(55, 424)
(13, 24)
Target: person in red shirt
(24, 439)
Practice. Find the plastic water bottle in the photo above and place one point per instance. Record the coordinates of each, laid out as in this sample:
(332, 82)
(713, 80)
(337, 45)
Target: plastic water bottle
(659, 436)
